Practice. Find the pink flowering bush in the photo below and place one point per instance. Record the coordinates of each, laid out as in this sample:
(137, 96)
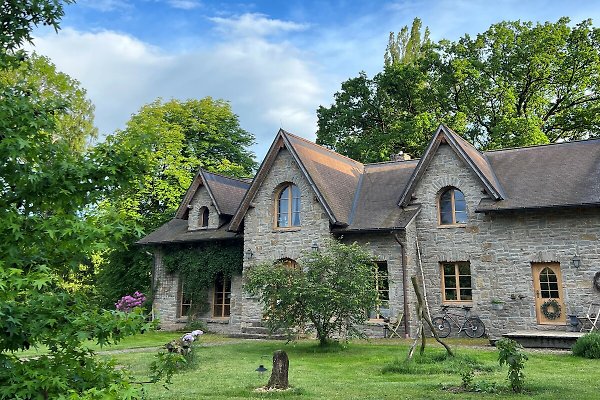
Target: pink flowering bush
(128, 303)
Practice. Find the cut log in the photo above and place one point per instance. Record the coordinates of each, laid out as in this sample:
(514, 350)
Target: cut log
(279, 374)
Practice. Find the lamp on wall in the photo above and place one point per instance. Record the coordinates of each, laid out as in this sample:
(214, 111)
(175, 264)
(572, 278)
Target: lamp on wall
(315, 246)
(249, 254)
(576, 261)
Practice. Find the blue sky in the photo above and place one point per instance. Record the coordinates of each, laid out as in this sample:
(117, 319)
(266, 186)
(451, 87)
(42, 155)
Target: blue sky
(274, 61)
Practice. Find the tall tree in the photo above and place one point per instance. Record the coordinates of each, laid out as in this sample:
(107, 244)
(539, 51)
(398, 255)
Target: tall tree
(46, 189)
(405, 48)
(515, 84)
(75, 121)
(174, 138)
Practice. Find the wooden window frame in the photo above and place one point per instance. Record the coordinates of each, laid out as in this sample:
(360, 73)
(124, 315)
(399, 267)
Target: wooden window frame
(226, 298)
(452, 190)
(183, 303)
(378, 315)
(288, 263)
(290, 210)
(204, 216)
(457, 287)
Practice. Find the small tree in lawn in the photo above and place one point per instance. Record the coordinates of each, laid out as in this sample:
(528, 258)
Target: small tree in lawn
(332, 290)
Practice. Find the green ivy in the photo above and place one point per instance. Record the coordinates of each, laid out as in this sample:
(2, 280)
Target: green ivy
(199, 265)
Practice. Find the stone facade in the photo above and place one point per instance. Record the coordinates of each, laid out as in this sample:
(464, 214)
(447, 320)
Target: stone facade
(502, 247)
(202, 199)
(268, 243)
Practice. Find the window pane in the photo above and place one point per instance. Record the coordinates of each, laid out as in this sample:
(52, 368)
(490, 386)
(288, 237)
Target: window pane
(448, 269)
(460, 217)
(450, 281)
(446, 208)
(296, 219)
(226, 311)
(464, 269)
(465, 282)
(450, 294)
(466, 294)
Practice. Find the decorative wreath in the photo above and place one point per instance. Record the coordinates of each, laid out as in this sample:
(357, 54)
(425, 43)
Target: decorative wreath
(597, 280)
(551, 309)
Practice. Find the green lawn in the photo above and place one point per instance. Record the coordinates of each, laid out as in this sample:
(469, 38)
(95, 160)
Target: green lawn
(227, 372)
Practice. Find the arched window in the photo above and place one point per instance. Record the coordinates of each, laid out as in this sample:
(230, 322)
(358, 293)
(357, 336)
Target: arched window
(204, 217)
(288, 206)
(287, 263)
(452, 207)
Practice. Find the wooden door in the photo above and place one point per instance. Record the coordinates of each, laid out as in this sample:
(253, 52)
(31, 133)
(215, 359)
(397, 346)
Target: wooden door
(549, 300)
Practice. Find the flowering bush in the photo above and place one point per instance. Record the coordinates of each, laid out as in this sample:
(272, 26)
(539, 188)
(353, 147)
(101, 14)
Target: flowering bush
(178, 355)
(127, 302)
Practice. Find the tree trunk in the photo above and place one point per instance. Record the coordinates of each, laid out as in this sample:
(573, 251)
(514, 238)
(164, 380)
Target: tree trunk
(279, 375)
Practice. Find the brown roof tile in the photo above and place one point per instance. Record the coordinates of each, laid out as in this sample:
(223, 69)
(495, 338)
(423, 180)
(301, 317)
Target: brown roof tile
(556, 175)
(175, 231)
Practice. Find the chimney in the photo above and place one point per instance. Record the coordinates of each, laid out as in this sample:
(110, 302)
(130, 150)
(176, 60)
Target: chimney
(400, 156)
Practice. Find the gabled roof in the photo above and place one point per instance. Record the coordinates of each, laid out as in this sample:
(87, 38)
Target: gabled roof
(226, 193)
(470, 156)
(333, 177)
(176, 231)
(555, 175)
(375, 203)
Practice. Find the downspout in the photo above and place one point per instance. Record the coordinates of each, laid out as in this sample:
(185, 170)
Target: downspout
(404, 286)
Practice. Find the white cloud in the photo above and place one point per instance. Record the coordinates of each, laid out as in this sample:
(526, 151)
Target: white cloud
(253, 24)
(268, 84)
(105, 5)
(184, 4)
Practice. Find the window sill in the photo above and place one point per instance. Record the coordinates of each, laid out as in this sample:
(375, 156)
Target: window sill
(215, 320)
(449, 226)
(281, 230)
(457, 303)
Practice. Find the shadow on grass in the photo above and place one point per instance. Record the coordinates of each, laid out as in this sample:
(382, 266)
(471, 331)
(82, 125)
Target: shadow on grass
(432, 363)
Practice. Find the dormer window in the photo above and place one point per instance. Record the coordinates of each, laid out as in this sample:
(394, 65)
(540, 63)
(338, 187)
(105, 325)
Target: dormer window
(288, 206)
(204, 217)
(452, 207)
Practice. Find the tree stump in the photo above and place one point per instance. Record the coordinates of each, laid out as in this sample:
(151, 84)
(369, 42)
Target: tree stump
(279, 375)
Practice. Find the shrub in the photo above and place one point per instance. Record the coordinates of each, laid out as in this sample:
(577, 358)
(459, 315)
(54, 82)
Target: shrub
(511, 355)
(588, 346)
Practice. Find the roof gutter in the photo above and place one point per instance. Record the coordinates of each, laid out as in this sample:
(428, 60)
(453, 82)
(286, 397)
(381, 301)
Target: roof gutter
(532, 208)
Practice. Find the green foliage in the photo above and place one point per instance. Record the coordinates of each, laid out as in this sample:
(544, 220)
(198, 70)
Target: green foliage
(588, 346)
(332, 290)
(49, 187)
(510, 353)
(165, 365)
(405, 48)
(516, 84)
(170, 140)
(198, 266)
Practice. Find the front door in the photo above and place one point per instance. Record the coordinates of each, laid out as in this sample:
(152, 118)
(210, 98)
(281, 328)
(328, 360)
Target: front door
(547, 286)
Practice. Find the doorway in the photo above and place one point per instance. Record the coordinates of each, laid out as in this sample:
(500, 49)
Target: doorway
(548, 293)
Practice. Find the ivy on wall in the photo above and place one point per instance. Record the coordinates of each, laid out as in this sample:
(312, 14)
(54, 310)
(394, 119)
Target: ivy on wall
(199, 265)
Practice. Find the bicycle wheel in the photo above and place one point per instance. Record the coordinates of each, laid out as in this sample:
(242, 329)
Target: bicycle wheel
(474, 327)
(442, 326)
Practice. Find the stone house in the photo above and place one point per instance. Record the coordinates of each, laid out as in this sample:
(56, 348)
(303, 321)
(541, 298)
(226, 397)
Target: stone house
(516, 227)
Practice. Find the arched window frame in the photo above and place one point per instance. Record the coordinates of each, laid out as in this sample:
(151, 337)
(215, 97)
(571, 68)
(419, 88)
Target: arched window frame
(287, 263)
(203, 215)
(459, 216)
(290, 218)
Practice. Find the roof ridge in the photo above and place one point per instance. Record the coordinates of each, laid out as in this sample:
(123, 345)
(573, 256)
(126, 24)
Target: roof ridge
(391, 162)
(226, 176)
(542, 145)
(322, 147)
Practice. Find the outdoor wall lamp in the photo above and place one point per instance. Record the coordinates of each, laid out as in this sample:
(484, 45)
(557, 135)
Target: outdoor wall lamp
(315, 246)
(576, 261)
(249, 254)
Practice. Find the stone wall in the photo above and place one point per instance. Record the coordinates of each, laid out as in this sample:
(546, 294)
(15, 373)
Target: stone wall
(268, 243)
(202, 199)
(501, 247)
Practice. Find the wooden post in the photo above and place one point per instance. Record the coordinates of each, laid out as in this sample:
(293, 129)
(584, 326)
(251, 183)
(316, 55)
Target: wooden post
(279, 375)
(424, 317)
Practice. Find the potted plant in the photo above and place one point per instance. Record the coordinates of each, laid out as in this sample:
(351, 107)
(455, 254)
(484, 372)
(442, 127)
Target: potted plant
(497, 304)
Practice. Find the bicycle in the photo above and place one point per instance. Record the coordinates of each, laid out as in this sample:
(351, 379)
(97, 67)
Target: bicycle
(472, 326)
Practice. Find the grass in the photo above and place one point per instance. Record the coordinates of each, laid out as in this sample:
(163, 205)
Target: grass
(366, 370)
(146, 340)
